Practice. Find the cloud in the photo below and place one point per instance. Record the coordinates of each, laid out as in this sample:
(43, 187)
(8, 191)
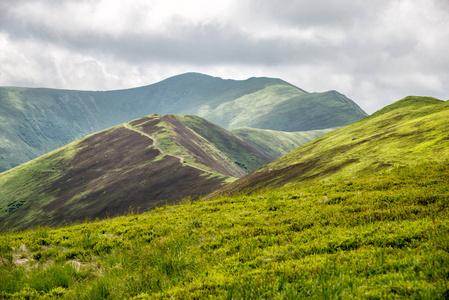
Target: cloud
(324, 13)
(375, 53)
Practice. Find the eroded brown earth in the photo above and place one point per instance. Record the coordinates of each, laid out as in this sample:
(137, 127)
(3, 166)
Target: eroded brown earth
(116, 171)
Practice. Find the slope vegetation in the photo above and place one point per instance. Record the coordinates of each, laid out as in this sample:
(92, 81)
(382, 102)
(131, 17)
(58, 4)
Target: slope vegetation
(377, 236)
(144, 163)
(240, 151)
(409, 130)
(310, 111)
(36, 121)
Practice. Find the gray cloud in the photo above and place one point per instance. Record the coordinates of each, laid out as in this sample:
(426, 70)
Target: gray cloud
(198, 43)
(324, 13)
(375, 53)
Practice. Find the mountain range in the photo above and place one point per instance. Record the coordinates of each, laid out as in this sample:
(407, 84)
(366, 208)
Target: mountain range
(38, 120)
(157, 160)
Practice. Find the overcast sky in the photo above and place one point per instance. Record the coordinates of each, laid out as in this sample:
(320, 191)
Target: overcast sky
(374, 52)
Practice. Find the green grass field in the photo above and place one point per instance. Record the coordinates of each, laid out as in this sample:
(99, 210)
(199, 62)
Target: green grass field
(382, 235)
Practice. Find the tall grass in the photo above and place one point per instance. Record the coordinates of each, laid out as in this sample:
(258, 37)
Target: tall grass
(376, 236)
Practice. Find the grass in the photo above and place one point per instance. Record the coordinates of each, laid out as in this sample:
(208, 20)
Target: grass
(381, 235)
(252, 107)
(24, 186)
(23, 182)
(310, 111)
(170, 141)
(415, 129)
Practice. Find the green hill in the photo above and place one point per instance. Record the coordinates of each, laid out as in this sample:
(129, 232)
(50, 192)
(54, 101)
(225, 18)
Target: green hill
(275, 144)
(410, 130)
(137, 165)
(36, 121)
(310, 111)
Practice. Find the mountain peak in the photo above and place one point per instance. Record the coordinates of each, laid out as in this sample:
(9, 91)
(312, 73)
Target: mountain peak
(410, 101)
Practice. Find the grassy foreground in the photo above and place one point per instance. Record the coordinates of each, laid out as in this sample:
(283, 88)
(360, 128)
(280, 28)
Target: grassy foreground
(377, 236)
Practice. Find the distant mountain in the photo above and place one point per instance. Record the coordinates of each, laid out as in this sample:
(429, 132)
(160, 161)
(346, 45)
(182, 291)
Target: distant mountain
(409, 131)
(36, 120)
(310, 111)
(275, 143)
(144, 163)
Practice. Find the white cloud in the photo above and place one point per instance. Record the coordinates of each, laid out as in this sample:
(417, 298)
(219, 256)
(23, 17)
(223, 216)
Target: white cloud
(375, 52)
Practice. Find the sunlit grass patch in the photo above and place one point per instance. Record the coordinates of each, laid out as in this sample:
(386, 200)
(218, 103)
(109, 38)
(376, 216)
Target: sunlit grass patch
(382, 235)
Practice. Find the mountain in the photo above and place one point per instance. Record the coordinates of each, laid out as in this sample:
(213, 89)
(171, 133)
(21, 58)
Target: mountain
(411, 130)
(275, 143)
(309, 111)
(138, 165)
(38, 120)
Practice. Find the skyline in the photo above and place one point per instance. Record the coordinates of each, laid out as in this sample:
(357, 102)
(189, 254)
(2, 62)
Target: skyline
(374, 53)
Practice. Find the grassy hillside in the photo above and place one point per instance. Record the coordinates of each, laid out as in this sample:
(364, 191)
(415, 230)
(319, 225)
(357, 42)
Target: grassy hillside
(310, 111)
(138, 165)
(36, 121)
(409, 130)
(250, 108)
(275, 144)
(374, 236)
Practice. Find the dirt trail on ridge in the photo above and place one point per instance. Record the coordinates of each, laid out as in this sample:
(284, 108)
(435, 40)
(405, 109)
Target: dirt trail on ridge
(181, 159)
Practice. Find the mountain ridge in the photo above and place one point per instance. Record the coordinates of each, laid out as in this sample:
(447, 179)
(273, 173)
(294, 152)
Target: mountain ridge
(38, 120)
(140, 164)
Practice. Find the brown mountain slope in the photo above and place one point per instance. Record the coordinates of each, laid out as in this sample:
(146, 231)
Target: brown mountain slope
(138, 165)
